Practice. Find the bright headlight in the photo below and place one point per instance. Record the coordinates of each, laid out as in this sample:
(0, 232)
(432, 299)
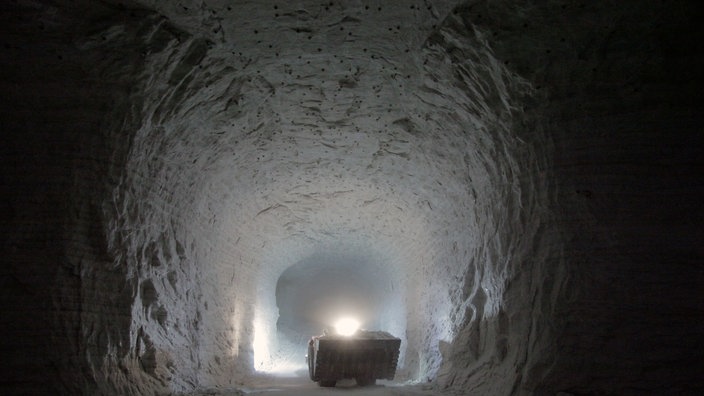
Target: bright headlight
(346, 326)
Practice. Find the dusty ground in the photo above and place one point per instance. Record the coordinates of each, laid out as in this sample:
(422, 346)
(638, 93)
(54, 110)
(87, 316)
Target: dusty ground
(302, 386)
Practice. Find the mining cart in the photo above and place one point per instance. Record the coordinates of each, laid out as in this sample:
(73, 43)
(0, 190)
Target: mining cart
(365, 356)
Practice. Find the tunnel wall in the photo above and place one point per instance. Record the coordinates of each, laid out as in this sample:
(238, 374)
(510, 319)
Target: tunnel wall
(61, 156)
(615, 309)
(510, 181)
(102, 285)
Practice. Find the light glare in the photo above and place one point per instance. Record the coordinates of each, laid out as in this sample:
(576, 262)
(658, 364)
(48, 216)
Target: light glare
(346, 326)
(260, 346)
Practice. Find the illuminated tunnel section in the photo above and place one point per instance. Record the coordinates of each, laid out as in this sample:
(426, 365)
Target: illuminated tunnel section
(263, 183)
(314, 293)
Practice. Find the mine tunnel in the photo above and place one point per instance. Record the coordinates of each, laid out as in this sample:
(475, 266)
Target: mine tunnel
(192, 188)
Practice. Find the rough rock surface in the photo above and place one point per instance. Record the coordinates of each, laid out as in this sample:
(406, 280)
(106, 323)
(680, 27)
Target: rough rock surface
(521, 180)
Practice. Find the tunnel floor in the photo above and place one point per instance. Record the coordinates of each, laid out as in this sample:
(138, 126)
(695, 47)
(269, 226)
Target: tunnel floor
(301, 386)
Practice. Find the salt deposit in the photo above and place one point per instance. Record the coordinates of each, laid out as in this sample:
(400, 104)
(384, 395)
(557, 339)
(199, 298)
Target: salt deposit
(193, 188)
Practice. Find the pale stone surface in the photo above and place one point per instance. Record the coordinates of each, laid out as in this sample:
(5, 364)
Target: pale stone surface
(518, 184)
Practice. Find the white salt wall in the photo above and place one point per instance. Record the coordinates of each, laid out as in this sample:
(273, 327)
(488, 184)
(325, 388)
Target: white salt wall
(493, 163)
(245, 164)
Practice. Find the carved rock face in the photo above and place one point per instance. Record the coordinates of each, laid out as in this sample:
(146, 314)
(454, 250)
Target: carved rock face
(192, 188)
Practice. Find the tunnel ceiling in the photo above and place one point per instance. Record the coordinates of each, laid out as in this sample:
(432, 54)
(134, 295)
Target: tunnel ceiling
(487, 169)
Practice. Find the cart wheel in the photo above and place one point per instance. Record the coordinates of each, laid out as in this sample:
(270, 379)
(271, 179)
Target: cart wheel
(327, 383)
(365, 381)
